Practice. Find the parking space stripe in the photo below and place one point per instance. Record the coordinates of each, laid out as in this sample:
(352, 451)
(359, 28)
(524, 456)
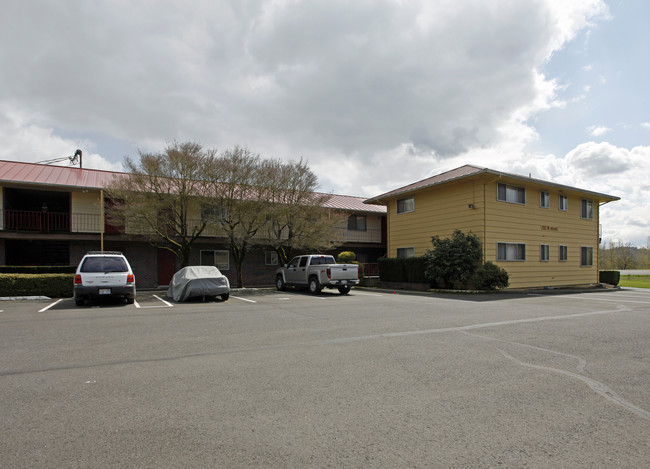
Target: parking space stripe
(50, 305)
(243, 299)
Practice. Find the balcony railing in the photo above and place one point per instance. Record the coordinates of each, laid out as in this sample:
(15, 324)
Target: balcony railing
(352, 236)
(60, 222)
(49, 222)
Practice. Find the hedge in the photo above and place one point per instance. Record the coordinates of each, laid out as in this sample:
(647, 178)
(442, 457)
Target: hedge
(410, 270)
(52, 285)
(611, 277)
(38, 269)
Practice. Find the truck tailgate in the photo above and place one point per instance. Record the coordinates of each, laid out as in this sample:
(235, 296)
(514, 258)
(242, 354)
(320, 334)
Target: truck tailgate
(343, 272)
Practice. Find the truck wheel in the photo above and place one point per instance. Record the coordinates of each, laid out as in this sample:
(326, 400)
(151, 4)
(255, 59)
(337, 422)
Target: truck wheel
(314, 286)
(279, 283)
(344, 290)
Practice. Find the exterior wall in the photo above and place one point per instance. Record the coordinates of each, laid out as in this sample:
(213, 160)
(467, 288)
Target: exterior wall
(438, 211)
(533, 225)
(2, 206)
(86, 210)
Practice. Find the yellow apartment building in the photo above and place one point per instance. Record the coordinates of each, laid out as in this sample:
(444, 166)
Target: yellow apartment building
(543, 234)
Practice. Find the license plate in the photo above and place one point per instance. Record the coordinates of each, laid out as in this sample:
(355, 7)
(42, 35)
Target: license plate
(104, 291)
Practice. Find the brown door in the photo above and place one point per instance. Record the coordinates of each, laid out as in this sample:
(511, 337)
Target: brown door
(166, 266)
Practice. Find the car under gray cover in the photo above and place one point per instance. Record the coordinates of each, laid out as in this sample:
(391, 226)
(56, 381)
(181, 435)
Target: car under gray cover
(198, 281)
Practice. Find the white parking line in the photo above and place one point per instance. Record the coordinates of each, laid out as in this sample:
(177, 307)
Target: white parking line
(50, 305)
(167, 304)
(243, 299)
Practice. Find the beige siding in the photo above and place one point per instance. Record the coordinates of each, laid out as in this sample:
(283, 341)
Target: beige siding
(86, 209)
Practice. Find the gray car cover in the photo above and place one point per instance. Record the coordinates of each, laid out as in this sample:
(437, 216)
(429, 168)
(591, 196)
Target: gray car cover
(197, 280)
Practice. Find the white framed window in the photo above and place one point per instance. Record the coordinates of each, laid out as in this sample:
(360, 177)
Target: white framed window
(511, 252)
(218, 258)
(357, 223)
(564, 253)
(586, 256)
(406, 205)
(544, 252)
(270, 258)
(587, 209)
(544, 199)
(564, 203)
(511, 194)
(404, 253)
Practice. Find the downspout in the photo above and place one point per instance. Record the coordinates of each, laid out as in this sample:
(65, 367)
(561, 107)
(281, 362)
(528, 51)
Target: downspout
(102, 222)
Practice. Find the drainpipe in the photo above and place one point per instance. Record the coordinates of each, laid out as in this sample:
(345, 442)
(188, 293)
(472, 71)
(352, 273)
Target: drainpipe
(101, 219)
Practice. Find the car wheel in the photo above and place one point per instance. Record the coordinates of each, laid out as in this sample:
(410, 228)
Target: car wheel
(314, 286)
(279, 283)
(344, 290)
(225, 296)
(79, 301)
(130, 300)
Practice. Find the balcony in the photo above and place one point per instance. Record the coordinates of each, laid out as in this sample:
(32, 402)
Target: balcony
(49, 222)
(352, 236)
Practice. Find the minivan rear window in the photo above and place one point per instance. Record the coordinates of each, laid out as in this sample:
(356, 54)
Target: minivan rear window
(104, 264)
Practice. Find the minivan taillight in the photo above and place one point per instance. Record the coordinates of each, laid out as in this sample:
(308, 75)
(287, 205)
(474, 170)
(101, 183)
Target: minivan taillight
(130, 278)
(77, 279)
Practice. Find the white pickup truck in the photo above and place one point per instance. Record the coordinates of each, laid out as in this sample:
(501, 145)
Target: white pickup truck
(317, 271)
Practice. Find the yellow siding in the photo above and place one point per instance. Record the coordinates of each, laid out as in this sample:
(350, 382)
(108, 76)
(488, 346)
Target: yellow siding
(533, 225)
(441, 209)
(438, 211)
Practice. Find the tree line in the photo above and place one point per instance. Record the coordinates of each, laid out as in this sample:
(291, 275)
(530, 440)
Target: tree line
(624, 256)
(174, 196)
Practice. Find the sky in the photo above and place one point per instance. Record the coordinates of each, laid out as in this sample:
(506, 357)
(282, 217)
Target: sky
(372, 94)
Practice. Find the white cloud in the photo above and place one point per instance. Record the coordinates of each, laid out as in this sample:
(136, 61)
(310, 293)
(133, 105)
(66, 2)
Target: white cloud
(645, 125)
(598, 130)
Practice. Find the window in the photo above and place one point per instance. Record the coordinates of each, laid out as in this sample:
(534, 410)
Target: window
(357, 223)
(213, 213)
(511, 252)
(512, 194)
(544, 199)
(564, 203)
(404, 253)
(564, 253)
(406, 205)
(544, 252)
(219, 259)
(587, 209)
(586, 256)
(270, 258)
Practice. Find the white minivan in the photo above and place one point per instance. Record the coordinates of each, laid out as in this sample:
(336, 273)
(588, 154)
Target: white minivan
(103, 274)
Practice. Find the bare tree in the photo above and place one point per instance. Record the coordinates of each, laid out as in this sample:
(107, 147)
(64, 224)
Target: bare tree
(237, 196)
(161, 197)
(297, 218)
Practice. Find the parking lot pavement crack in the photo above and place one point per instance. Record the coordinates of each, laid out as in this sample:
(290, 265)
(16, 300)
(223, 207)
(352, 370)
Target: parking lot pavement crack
(598, 387)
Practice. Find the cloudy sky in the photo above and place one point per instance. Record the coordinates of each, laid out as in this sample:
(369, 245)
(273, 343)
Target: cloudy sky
(374, 94)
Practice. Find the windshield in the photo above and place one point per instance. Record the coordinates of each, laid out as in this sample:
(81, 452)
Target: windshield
(104, 264)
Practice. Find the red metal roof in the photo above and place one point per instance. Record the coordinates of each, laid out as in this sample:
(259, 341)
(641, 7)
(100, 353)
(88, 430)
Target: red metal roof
(32, 173)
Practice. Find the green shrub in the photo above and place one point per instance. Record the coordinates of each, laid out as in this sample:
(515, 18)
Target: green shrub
(490, 277)
(612, 277)
(52, 285)
(346, 257)
(452, 261)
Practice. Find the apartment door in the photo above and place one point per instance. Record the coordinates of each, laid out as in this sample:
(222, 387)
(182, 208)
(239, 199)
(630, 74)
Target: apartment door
(166, 266)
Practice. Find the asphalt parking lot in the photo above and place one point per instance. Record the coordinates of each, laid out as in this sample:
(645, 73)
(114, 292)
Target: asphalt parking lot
(369, 379)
